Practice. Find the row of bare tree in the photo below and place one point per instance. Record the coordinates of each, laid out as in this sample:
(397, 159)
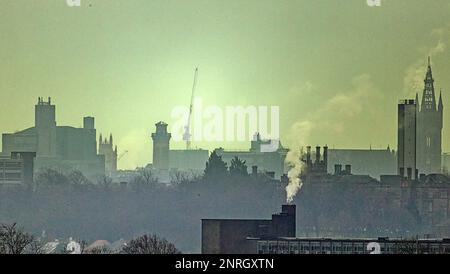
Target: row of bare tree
(14, 240)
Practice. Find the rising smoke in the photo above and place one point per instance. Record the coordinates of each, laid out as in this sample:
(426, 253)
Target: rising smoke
(296, 166)
(299, 133)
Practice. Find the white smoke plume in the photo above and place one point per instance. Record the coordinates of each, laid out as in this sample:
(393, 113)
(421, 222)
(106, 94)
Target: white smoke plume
(296, 166)
(299, 131)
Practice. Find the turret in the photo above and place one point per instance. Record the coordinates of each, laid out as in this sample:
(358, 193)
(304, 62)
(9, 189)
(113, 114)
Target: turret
(161, 139)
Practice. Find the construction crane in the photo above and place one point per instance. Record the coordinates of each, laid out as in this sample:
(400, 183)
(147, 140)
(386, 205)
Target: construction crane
(121, 155)
(187, 134)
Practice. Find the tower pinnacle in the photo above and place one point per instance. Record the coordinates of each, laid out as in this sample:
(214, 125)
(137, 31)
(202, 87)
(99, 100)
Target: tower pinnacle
(428, 97)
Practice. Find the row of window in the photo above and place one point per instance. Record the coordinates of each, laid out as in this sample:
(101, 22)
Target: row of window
(340, 247)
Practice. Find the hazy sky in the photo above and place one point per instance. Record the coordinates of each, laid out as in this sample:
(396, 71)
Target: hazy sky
(335, 68)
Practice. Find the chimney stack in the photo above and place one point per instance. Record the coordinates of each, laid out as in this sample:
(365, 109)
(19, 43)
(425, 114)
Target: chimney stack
(254, 170)
(348, 169)
(317, 154)
(308, 155)
(337, 169)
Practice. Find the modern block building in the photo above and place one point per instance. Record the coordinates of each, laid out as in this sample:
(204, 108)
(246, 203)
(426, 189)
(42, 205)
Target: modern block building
(229, 236)
(62, 147)
(350, 246)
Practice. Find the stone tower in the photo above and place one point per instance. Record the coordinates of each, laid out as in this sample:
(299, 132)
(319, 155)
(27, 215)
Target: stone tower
(429, 128)
(45, 123)
(161, 140)
(105, 147)
(407, 139)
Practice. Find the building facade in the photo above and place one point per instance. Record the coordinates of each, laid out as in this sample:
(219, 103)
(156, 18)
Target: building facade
(350, 246)
(406, 152)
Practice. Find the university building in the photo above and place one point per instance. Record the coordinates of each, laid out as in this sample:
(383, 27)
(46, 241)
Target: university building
(63, 147)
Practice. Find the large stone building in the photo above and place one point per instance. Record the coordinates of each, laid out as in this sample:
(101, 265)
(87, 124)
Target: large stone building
(63, 147)
(429, 128)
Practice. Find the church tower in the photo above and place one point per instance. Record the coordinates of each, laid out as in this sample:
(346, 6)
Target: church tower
(105, 147)
(429, 128)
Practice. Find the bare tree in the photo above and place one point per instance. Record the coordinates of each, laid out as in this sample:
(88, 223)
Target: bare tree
(105, 182)
(178, 177)
(147, 176)
(99, 250)
(150, 244)
(407, 246)
(13, 240)
(51, 177)
(76, 177)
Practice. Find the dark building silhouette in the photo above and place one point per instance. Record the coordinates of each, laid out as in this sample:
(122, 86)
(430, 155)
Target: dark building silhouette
(107, 149)
(230, 236)
(62, 147)
(429, 127)
(406, 151)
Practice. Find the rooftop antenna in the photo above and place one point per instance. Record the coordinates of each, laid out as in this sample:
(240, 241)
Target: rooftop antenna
(187, 134)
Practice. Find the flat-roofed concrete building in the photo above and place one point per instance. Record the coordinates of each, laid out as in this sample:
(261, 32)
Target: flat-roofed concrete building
(229, 236)
(349, 246)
